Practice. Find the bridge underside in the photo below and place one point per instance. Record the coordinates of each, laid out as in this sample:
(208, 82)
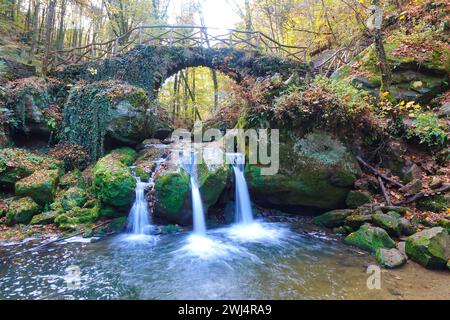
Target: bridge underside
(149, 66)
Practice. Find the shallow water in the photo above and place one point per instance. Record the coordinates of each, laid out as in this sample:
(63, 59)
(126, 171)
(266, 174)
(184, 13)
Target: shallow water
(268, 261)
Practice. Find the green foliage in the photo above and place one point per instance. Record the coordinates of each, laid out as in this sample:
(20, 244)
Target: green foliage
(428, 129)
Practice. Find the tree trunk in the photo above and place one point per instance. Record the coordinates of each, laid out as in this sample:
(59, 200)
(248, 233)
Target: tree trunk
(61, 31)
(379, 47)
(35, 29)
(48, 35)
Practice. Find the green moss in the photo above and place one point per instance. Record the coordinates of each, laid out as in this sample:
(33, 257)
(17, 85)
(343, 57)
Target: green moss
(72, 219)
(387, 222)
(73, 197)
(40, 186)
(430, 247)
(21, 211)
(370, 238)
(333, 218)
(125, 155)
(44, 218)
(113, 182)
(355, 221)
(436, 203)
(16, 164)
(171, 191)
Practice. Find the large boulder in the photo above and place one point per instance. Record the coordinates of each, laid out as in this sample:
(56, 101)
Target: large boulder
(370, 238)
(16, 164)
(388, 222)
(430, 247)
(21, 211)
(113, 182)
(437, 203)
(173, 196)
(315, 171)
(40, 186)
(111, 113)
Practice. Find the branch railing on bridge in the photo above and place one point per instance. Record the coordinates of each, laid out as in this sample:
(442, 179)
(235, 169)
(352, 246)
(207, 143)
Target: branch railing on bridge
(185, 36)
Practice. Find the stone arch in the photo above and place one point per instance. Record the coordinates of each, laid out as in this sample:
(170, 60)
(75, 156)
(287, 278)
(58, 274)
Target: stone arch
(149, 66)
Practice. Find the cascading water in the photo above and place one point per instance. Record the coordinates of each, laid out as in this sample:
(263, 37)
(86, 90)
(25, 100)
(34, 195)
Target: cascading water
(189, 164)
(139, 218)
(244, 213)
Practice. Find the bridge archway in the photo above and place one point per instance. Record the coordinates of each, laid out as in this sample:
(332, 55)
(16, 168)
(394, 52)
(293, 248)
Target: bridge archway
(149, 66)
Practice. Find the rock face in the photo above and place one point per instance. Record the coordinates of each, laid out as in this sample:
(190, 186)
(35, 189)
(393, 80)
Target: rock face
(110, 113)
(173, 196)
(315, 171)
(370, 238)
(357, 198)
(16, 164)
(113, 182)
(21, 211)
(333, 218)
(390, 258)
(12, 69)
(430, 247)
(40, 186)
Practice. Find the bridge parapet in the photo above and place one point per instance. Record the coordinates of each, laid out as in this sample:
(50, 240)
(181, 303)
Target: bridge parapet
(184, 36)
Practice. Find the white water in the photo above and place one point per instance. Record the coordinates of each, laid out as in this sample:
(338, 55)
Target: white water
(189, 164)
(244, 213)
(139, 217)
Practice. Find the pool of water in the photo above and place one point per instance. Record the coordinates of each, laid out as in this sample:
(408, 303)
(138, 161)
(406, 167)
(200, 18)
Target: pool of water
(266, 261)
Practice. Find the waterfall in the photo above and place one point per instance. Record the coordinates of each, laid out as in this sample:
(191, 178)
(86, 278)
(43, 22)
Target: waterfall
(244, 213)
(139, 217)
(189, 165)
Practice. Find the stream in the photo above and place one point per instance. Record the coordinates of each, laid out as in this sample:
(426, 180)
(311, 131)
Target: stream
(275, 260)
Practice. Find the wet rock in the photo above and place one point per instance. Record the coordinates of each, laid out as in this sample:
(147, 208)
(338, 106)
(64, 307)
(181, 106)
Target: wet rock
(333, 218)
(390, 258)
(430, 247)
(113, 182)
(357, 198)
(370, 238)
(21, 211)
(401, 248)
(406, 227)
(40, 186)
(172, 191)
(355, 221)
(315, 171)
(387, 222)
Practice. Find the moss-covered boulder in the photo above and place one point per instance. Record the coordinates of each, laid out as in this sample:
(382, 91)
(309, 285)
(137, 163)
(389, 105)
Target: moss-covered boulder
(74, 197)
(430, 247)
(370, 238)
(71, 220)
(16, 164)
(125, 155)
(315, 171)
(44, 218)
(390, 258)
(357, 198)
(113, 182)
(173, 196)
(437, 203)
(334, 218)
(21, 211)
(388, 222)
(40, 186)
